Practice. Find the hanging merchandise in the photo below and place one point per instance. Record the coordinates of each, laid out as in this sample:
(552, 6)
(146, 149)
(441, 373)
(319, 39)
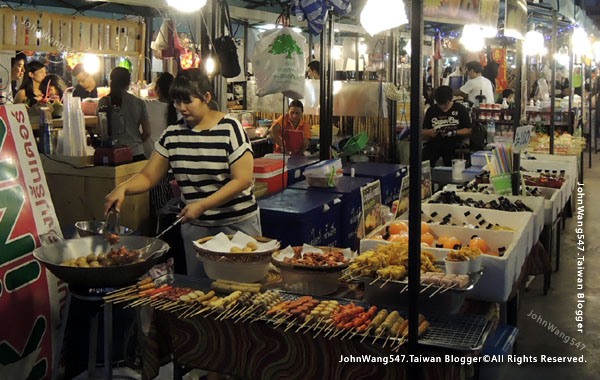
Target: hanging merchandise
(315, 12)
(167, 44)
(279, 62)
(226, 47)
(437, 50)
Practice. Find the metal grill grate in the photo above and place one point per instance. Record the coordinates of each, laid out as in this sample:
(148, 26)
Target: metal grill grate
(460, 332)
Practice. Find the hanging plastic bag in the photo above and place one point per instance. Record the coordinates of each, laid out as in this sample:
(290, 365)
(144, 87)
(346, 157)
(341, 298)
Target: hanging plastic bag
(279, 62)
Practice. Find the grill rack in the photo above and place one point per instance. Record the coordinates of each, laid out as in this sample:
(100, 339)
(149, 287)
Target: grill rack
(460, 332)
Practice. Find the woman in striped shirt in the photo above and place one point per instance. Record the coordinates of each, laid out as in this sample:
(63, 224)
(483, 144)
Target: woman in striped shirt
(212, 160)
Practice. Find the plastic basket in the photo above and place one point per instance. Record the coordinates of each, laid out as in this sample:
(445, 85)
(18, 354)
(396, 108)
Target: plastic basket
(356, 143)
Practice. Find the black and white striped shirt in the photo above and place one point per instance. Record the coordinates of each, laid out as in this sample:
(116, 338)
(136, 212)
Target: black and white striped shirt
(201, 162)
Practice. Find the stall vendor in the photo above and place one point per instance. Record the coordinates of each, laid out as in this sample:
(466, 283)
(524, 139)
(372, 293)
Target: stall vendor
(86, 85)
(314, 70)
(30, 92)
(445, 123)
(296, 135)
(477, 85)
(212, 159)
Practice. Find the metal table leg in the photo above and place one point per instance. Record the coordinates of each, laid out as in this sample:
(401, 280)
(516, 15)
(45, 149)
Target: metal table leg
(93, 343)
(108, 333)
(61, 337)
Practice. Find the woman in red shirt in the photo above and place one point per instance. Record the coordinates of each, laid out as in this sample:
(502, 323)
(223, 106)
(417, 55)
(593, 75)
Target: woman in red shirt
(296, 135)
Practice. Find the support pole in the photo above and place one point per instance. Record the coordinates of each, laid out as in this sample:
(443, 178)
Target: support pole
(519, 94)
(414, 213)
(393, 79)
(571, 88)
(553, 82)
(324, 85)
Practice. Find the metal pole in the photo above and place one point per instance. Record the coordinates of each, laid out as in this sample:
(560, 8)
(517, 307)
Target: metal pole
(519, 93)
(356, 56)
(148, 50)
(553, 81)
(323, 86)
(414, 212)
(331, 75)
(571, 88)
(392, 79)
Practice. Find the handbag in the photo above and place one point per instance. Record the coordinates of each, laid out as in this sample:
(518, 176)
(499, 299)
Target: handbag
(226, 47)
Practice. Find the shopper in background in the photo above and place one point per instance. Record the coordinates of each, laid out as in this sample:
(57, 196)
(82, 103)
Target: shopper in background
(30, 92)
(477, 85)
(314, 70)
(53, 87)
(509, 95)
(86, 85)
(211, 156)
(296, 131)
(127, 113)
(444, 126)
(17, 71)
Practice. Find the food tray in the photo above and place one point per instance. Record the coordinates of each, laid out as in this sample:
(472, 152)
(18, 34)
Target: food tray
(234, 257)
(309, 268)
(463, 332)
(473, 279)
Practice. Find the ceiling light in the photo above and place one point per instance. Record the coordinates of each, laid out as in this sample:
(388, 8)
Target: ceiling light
(186, 6)
(534, 43)
(581, 42)
(380, 15)
(472, 38)
(91, 63)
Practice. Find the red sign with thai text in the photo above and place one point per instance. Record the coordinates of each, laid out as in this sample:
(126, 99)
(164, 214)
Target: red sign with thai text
(28, 293)
(502, 79)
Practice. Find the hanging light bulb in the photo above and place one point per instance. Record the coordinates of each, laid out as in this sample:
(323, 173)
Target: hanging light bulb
(380, 15)
(534, 43)
(210, 65)
(472, 38)
(91, 63)
(581, 42)
(186, 6)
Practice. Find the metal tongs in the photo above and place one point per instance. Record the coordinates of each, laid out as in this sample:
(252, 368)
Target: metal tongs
(144, 249)
(111, 228)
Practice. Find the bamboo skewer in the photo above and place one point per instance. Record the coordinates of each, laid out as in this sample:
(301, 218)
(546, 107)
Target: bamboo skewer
(404, 289)
(385, 283)
(374, 281)
(437, 290)
(425, 288)
(308, 319)
(386, 340)
(377, 337)
(448, 288)
(121, 289)
(365, 335)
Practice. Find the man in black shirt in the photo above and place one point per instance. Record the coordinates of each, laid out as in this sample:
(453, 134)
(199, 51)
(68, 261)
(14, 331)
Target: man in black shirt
(86, 85)
(445, 124)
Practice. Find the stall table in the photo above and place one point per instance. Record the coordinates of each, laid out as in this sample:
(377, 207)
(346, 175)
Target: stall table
(78, 192)
(260, 351)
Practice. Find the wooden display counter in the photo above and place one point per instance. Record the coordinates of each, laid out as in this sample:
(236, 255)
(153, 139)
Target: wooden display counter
(78, 193)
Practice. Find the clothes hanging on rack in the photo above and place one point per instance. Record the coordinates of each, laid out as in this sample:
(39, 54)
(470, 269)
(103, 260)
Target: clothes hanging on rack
(315, 12)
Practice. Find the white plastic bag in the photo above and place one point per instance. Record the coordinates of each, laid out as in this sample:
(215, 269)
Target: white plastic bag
(279, 63)
(324, 168)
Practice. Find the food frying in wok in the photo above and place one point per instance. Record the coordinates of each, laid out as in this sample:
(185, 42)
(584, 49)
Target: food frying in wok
(116, 256)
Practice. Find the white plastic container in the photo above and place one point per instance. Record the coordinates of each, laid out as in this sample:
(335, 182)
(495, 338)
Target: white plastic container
(316, 181)
(456, 267)
(235, 271)
(475, 264)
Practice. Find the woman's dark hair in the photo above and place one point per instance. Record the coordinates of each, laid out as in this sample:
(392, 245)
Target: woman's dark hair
(53, 80)
(120, 79)
(191, 83)
(17, 58)
(447, 71)
(443, 95)
(315, 66)
(508, 92)
(297, 103)
(27, 84)
(163, 86)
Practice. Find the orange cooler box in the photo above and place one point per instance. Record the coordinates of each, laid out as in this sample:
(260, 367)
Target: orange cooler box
(272, 173)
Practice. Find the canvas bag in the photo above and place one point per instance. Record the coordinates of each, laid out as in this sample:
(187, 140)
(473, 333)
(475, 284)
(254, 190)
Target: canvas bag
(279, 63)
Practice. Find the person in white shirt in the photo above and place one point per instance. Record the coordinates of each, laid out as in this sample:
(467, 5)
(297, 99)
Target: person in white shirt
(477, 84)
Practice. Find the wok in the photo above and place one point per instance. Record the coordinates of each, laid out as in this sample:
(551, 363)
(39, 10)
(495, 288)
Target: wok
(52, 255)
(96, 227)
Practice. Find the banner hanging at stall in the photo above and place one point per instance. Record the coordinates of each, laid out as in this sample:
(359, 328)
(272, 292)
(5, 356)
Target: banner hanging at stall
(482, 12)
(499, 55)
(29, 302)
